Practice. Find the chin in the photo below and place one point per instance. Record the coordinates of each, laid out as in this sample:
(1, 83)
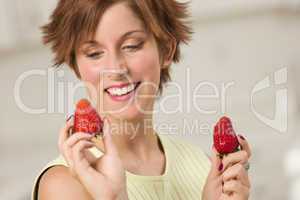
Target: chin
(130, 114)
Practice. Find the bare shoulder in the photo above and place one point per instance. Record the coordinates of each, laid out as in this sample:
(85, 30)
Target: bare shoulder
(58, 183)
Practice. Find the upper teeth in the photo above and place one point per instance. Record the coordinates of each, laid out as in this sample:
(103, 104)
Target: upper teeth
(121, 91)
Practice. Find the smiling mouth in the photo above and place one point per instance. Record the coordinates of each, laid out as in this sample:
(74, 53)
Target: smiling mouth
(122, 90)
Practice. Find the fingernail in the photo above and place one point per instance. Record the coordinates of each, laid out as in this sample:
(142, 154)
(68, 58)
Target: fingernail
(221, 167)
(242, 137)
(68, 119)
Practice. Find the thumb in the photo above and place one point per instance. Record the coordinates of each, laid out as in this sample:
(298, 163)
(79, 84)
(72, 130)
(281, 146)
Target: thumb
(109, 146)
(216, 164)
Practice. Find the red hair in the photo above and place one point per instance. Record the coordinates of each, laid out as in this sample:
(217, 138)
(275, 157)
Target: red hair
(74, 21)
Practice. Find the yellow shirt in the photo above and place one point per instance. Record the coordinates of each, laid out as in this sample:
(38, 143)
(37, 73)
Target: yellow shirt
(186, 171)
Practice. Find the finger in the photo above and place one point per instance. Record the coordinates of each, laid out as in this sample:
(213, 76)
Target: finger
(86, 173)
(98, 141)
(109, 145)
(80, 162)
(224, 196)
(216, 164)
(74, 138)
(71, 141)
(237, 172)
(69, 154)
(63, 136)
(64, 132)
(244, 145)
(89, 156)
(233, 158)
(235, 186)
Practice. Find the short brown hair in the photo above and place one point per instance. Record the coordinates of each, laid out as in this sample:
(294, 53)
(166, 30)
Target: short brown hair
(73, 21)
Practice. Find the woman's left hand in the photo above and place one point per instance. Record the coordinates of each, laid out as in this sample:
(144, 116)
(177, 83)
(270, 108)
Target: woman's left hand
(228, 179)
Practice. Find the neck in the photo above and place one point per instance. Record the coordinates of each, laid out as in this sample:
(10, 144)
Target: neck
(134, 138)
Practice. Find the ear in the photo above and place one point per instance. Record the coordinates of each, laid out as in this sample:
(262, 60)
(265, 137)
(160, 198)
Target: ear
(169, 55)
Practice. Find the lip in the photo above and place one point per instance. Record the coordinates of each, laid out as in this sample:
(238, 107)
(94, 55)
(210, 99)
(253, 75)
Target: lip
(123, 97)
(120, 85)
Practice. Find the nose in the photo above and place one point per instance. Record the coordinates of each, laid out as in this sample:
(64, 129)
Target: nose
(116, 66)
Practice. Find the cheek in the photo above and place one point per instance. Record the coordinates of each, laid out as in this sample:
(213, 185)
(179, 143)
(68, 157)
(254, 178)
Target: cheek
(87, 72)
(146, 65)
(90, 77)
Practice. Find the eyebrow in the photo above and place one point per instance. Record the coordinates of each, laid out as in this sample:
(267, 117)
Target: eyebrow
(132, 32)
(94, 42)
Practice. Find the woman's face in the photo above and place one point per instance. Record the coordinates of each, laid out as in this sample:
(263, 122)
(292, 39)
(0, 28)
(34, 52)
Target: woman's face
(121, 66)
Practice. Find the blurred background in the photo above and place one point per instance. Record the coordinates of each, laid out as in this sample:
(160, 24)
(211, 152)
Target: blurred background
(249, 47)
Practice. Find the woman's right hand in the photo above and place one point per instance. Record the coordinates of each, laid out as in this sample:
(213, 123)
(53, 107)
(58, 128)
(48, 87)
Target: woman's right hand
(104, 177)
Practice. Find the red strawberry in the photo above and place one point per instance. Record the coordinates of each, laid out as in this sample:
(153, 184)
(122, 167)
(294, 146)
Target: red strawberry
(225, 139)
(86, 118)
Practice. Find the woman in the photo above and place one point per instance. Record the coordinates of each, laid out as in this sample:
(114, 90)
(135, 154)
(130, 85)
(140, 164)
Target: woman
(122, 50)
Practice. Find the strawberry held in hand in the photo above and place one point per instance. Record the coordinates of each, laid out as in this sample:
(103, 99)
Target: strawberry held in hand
(86, 118)
(225, 139)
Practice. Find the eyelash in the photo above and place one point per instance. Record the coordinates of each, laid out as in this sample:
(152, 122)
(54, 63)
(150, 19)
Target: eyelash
(134, 47)
(95, 55)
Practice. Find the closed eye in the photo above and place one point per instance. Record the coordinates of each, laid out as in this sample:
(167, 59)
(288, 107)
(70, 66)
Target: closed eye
(133, 47)
(94, 55)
